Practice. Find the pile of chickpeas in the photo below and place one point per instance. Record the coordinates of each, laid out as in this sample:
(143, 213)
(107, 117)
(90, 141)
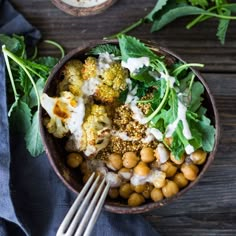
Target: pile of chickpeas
(158, 179)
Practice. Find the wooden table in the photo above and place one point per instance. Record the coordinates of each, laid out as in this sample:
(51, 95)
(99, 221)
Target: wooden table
(210, 207)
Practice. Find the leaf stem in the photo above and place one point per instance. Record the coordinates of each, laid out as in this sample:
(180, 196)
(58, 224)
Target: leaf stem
(184, 66)
(56, 45)
(24, 67)
(126, 30)
(16, 95)
(149, 118)
(205, 16)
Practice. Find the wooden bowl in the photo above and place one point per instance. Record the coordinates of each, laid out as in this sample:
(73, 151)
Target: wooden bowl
(55, 147)
(83, 7)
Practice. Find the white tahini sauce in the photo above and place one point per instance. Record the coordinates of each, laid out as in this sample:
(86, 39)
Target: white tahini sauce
(90, 86)
(104, 61)
(134, 64)
(189, 149)
(122, 135)
(152, 134)
(132, 101)
(163, 153)
(181, 117)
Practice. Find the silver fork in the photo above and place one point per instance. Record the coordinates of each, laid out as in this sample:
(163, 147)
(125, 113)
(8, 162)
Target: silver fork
(82, 215)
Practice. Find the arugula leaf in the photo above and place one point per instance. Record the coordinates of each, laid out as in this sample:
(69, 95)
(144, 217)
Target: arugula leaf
(27, 77)
(166, 11)
(159, 5)
(21, 117)
(196, 99)
(208, 134)
(32, 95)
(173, 14)
(134, 48)
(111, 49)
(13, 44)
(201, 3)
(49, 62)
(223, 27)
(33, 139)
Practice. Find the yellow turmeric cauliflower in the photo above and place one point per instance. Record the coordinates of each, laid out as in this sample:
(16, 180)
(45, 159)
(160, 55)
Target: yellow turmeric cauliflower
(111, 75)
(97, 127)
(73, 80)
(96, 132)
(89, 69)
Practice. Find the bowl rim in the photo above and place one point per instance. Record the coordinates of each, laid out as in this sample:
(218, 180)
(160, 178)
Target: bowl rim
(82, 11)
(115, 207)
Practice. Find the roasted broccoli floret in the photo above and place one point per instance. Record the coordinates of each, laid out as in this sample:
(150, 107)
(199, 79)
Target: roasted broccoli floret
(73, 80)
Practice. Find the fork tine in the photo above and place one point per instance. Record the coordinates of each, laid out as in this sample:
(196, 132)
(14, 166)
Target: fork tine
(89, 210)
(80, 210)
(64, 225)
(96, 211)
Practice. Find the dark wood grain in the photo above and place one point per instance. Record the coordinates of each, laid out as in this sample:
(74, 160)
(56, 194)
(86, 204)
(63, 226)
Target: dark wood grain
(210, 207)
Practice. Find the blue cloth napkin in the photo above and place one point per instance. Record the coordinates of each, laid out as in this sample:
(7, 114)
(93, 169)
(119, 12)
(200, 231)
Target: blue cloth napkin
(33, 201)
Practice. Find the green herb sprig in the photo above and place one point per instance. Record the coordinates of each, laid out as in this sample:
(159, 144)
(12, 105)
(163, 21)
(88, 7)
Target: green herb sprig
(166, 11)
(27, 77)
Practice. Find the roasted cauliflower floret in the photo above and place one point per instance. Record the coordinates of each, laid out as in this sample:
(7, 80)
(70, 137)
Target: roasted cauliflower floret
(90, 68)
(73, 80)
(64, 113)
(106, 93)
(97, 127)
(115, 76)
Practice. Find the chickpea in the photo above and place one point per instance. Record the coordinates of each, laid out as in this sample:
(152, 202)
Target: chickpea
(113, 193)
(170, 189)
(74, 159)
(130, 160)
(135, 199)
(84, 167)
(175, 160)
(114, 161)
(141, 169)
(198, 157)
(156, 194)
(139, 188)
(147, 155)
(169, 169)
(113, 179)
(125, 173)
(147, 191)
(180, 180)
(190, 171)
(125, 190)
(158, 178)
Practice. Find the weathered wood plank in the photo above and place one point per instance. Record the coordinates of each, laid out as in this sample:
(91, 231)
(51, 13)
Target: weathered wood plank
(197, 45)
(210, 207)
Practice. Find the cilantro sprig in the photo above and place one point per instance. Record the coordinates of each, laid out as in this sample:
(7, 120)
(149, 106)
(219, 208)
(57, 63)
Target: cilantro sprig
(27, 78)
(166, 11)
(174, 88)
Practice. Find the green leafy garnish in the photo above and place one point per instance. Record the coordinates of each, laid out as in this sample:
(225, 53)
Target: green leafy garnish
(166, 11)
(105, 48)
(176, 102)
(27, 77)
